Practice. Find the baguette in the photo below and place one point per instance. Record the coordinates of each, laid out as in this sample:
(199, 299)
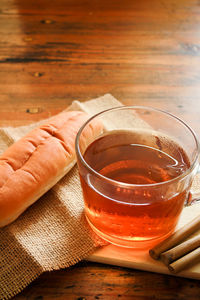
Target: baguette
(36, 162)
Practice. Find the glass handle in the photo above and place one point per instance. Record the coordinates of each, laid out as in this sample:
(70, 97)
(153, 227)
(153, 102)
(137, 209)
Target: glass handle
(195, 190)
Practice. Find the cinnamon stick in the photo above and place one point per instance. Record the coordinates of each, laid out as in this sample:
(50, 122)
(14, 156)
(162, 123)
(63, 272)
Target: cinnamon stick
(185, 261)
(175, 238)
(173, 254)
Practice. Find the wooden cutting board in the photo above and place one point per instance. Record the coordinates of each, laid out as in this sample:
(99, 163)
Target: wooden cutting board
(140, 259)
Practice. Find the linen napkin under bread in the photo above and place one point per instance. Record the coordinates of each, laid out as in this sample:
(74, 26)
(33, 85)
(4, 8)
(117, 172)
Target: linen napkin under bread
(53, 232)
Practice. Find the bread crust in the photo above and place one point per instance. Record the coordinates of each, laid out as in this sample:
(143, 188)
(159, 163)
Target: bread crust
(32, 165)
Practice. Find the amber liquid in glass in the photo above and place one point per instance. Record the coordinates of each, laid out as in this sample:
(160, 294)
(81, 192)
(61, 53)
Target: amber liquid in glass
(143, 210)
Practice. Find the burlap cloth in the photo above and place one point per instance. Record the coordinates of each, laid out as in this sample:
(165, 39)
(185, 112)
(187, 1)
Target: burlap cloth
(53, 232)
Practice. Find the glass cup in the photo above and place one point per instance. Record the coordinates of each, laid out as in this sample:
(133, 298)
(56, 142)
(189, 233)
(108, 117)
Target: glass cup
(136, 174)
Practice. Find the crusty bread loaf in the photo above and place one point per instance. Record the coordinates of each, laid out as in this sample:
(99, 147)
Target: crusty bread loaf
(36, 162)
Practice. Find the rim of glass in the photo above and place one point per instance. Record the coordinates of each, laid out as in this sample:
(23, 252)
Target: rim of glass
(115, 182)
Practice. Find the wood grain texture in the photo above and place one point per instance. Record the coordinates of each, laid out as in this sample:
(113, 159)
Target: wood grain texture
(143, 53)
(88, 281)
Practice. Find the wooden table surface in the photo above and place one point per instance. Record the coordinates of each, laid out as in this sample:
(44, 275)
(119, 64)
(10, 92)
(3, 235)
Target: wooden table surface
(143, 53)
